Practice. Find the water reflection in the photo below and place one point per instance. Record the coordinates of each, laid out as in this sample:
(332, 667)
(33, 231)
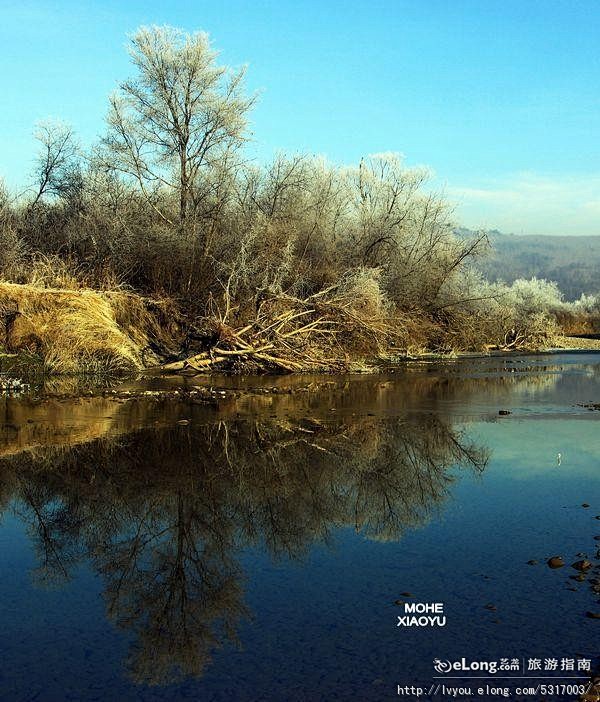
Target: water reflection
(164, 515)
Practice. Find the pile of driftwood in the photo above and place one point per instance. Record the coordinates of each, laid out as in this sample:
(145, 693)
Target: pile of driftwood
(290, 334)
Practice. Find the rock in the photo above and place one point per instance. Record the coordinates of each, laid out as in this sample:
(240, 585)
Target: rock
(592, 615)
(580, 578)
(555, 562)
(398, 602)
(581, 565)
(532, 562)
(406, 594)
(585, 504)
(491, 607)
(183, 422)
(503, 413)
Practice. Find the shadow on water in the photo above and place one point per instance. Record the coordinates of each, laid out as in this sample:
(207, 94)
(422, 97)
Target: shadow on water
(162, 514)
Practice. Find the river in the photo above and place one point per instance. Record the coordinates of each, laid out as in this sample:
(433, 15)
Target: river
(305, 538)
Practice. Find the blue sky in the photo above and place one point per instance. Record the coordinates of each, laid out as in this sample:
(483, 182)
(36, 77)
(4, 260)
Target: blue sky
(500, 98)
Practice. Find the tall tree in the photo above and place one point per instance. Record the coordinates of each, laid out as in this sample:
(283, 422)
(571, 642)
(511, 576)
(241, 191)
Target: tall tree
(175, 128)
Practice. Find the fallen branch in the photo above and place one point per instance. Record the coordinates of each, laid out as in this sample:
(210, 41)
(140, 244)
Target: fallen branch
(291, 334)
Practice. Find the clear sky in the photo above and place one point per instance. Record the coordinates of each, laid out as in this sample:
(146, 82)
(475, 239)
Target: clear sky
(501, 98)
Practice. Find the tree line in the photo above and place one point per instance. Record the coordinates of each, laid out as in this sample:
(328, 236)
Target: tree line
(167, 204)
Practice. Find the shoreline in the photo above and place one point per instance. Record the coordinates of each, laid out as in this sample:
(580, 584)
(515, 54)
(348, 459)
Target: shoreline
(156, 385)
(55, 332)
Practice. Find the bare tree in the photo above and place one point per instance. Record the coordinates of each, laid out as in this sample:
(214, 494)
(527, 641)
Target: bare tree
(57, 162)
(176, 127)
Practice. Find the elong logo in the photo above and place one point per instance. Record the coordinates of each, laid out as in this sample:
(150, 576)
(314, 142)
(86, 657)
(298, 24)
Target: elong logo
(446, 666)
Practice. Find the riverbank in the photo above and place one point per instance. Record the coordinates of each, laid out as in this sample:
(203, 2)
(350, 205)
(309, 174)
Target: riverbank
(579, 343)
(55, 331)
(52, 331)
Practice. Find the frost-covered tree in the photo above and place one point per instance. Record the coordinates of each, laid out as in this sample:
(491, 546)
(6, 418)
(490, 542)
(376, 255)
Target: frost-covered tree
(175, 127)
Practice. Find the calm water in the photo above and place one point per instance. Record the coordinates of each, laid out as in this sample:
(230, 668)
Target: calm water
(261, 550)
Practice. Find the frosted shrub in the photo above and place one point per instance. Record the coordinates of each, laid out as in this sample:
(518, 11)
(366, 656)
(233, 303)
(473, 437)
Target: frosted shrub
(534, 295)
(360, 290)
(587, 304)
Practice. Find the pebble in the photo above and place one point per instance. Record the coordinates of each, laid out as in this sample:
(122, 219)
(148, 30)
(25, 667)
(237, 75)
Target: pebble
(12, 386)
(555, 562)
(581, 565)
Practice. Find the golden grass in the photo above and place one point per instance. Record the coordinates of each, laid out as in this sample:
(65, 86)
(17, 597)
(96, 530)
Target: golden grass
(76, 331)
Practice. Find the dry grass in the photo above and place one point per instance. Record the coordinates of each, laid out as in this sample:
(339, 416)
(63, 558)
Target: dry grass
(75, 331)
(576, 342)
(573, 322)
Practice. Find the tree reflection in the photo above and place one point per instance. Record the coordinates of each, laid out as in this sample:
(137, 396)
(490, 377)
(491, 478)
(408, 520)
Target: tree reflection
(173, 581)
(163, 514)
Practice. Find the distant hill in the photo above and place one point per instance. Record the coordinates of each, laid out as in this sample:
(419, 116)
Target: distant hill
(571, 261)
